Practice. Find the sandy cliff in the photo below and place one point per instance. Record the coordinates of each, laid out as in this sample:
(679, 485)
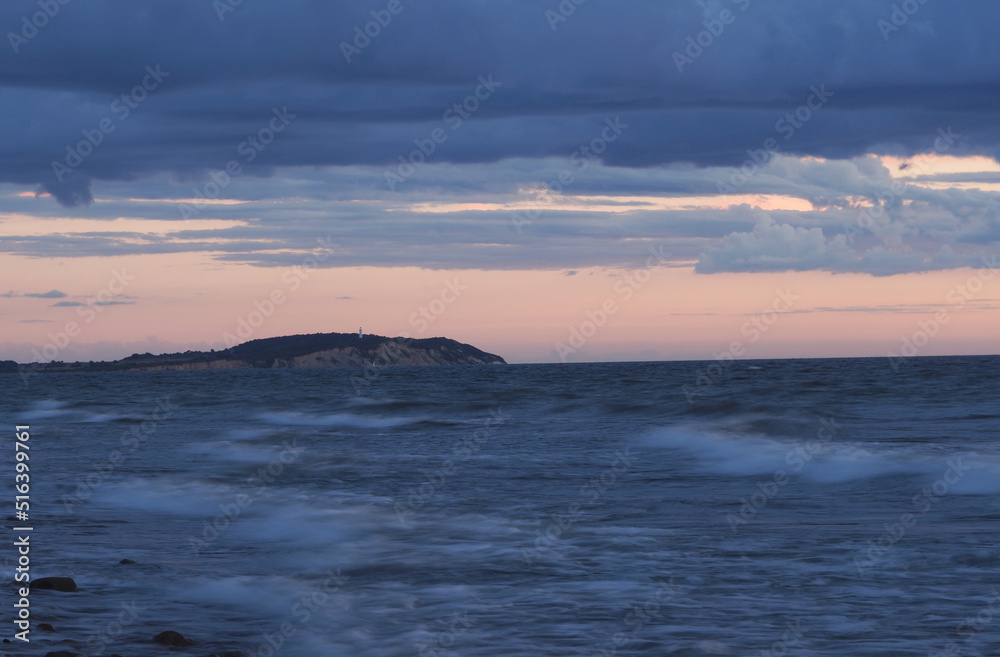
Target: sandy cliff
(294, 351)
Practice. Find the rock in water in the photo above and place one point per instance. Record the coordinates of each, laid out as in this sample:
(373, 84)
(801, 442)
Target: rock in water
(64, 584)
(171, 638)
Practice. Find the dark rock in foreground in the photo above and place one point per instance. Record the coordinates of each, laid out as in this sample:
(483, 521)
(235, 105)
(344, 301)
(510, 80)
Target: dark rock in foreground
(64, 584)
(171, 638)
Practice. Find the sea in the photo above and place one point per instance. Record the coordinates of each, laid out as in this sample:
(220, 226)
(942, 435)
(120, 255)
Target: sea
(757, 507)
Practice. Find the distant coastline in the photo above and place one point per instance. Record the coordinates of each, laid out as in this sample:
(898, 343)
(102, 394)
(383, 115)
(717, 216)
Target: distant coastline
(316, 350)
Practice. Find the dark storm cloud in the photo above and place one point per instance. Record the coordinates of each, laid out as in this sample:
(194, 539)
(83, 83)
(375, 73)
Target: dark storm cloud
(218, 81)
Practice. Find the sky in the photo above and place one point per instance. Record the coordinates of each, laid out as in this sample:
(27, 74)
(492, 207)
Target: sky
(548, 181)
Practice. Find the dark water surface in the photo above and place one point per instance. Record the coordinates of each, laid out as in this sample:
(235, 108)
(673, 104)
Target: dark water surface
(807, 507)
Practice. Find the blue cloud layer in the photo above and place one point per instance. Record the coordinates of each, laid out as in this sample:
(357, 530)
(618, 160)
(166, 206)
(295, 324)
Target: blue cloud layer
(113, 98)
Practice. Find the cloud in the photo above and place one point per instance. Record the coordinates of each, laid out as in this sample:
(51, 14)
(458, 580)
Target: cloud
(350, 122)
(604, 218)
(71, 304)
(51, 294)
(772, 247)
(71, 192)
(902, 309)
(776, 247)
(605, 61)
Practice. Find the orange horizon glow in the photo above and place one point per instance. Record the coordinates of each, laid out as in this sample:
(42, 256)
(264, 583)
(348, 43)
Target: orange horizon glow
(676, 313)
(192, 299)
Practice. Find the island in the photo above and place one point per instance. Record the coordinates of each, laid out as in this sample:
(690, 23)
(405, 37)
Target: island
(292, 351)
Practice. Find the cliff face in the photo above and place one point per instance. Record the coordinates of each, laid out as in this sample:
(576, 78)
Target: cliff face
(388, 354)
(296, 351)
(338, 357)
(203, 365)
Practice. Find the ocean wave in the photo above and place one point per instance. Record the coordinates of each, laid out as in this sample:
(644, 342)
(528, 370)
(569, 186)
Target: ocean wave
(45, 409)
(827, 461)
(161, 495)
(291, 418)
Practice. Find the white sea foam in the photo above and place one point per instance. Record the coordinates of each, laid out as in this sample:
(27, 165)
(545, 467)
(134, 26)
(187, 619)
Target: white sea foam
(246, 434)
(463, 553)
(162, 495)
(43, 410)
(100, 418)
(983, 477)
(835, 462)
(336, 420)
